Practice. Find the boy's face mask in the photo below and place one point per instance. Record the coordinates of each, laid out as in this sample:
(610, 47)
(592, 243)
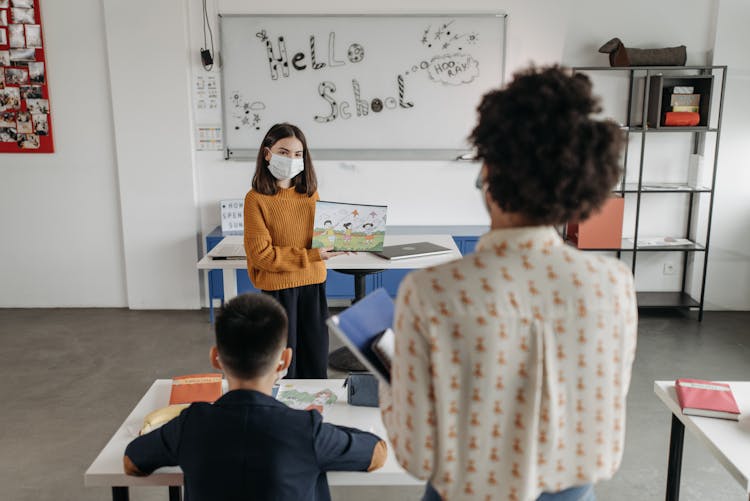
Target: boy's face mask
(284, 167)
(281, 375)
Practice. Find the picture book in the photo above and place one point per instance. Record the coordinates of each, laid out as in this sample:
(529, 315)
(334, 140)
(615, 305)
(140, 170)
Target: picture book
(360, 327)
(302, 400)
(195, 388)
(706, 398)
(349, 227)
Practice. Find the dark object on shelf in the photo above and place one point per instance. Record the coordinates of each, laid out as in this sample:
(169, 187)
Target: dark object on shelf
(661, 92)
(682, 118)
(619, 55)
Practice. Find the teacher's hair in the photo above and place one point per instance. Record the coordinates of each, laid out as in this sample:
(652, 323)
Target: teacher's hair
(264, 182)
(547, 158)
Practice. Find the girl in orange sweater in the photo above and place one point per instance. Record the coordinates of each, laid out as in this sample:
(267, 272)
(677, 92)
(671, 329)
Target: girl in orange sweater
(279, 214)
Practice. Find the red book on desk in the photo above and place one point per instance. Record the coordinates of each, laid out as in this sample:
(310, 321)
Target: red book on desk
(195, 388)
(706, 398)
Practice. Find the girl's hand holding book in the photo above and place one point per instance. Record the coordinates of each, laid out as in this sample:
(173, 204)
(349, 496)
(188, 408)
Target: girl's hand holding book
(328, 253)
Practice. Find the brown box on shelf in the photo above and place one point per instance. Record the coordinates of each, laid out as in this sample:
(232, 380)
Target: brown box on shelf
(602, 230)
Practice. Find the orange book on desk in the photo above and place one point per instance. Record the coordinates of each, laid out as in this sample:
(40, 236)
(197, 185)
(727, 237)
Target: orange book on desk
(602, 230)
(195, 388)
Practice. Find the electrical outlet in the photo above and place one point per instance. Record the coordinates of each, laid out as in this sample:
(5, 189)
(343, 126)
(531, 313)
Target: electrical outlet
(670, 269)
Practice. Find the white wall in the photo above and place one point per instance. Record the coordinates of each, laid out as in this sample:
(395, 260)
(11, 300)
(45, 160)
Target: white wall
(153, 52)
(148, 65)
(728, 285)
(59, 213)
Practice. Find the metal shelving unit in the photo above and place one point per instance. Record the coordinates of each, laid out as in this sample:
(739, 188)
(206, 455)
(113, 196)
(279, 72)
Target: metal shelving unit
(642, 77)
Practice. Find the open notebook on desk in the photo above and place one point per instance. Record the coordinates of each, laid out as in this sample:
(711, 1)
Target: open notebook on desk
(365, 328)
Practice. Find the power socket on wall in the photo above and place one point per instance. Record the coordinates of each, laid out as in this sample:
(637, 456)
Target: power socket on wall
(670, 269)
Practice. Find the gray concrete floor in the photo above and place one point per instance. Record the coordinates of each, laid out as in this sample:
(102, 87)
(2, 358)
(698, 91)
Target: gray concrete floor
(70, 376)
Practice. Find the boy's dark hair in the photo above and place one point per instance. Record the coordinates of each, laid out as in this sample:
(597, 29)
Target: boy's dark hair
(546, 157)
(250, 331)
(264, 182)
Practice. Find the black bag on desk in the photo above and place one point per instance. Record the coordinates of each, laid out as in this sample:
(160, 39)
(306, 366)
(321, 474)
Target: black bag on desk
(362, 389)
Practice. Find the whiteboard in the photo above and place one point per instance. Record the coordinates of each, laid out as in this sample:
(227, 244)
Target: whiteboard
(359, 86)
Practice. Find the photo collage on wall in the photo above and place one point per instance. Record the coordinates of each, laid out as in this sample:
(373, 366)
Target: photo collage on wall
(25, 123)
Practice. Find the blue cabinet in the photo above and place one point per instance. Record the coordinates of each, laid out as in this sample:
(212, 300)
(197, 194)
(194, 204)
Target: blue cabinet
(466, 244)
(216, 280)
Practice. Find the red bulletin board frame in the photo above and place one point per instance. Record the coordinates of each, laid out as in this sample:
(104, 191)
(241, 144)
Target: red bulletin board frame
(46, 144)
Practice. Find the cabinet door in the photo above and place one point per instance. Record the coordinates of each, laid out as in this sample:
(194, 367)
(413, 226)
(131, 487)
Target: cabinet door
(391, 279)
(468, 244)
(339, 285)
(215, 281)
(243, 283)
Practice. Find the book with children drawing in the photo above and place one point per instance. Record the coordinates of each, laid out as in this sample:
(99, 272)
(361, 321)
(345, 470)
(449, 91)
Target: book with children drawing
(349, 227)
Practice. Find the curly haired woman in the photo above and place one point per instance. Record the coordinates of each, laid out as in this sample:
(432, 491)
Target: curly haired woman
(510, 377)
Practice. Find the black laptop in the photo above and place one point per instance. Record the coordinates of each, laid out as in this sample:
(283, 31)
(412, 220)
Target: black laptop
(417, 249)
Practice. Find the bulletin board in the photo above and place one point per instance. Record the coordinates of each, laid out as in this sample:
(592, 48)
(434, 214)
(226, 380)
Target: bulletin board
(359, 86)
(25, 118)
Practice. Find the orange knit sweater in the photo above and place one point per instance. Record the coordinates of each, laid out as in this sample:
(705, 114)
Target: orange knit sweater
(278, 236)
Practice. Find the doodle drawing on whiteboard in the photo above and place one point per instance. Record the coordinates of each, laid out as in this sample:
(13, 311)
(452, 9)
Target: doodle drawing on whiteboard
(455, 67)
(246, 114)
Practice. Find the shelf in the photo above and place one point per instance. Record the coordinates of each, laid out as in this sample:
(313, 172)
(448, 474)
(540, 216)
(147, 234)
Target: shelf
(670, 299)
(664, 129)
(662, 188)
(648, 68)
(649, 97)
(627, 244)
(623, 248)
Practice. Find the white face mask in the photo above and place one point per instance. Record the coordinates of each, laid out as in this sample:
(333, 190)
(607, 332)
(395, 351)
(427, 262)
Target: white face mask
(281, 375)
(284, 167)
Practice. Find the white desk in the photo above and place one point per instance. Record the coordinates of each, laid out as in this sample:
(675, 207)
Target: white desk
(728, 441)
(358, 264)
(107, 470)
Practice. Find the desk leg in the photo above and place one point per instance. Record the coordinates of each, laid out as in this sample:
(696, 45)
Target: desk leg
(175, 493)
(230, 283)
(120, 494)
(360, 286)
(675, 459)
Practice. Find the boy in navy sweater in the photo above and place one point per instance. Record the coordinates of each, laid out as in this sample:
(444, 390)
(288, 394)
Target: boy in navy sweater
(247, 445)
